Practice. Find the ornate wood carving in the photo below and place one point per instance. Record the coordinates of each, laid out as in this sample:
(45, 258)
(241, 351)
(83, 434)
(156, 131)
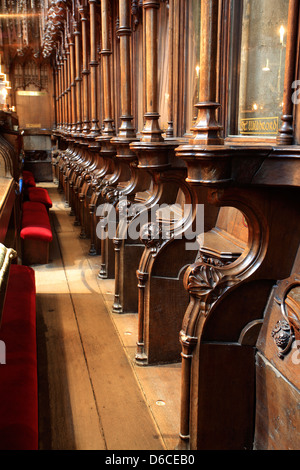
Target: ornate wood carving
(283, 337)
(287, 329)
(136, 11)
(54, 25)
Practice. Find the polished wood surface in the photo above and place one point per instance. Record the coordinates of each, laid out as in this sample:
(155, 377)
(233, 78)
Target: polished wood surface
(147, 106)
(80, 409)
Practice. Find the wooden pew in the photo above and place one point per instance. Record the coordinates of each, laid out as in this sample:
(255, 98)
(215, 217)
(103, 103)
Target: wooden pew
(227, 240)
(162, 297)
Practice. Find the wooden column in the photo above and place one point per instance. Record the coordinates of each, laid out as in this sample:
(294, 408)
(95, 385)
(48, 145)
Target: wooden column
(69, 103)
(151, 131)
(170, 130)
(207, 129)
(85, 72)
(106, 52)
(78, 79)
(61, 79)
(65, 92)
(55, 97)
(95, 131)
(73, 110)
(126, 129)
(286, 132)
(58, 94)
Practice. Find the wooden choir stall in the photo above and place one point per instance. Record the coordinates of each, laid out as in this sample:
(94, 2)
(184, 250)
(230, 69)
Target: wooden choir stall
(175, 145)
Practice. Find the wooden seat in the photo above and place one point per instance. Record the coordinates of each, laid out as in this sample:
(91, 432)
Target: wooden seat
(227, 241)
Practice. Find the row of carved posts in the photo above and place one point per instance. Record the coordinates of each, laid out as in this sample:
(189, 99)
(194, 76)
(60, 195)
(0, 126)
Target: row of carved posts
(99, 164)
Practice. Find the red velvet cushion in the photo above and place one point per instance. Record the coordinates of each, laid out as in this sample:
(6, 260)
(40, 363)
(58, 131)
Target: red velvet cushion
(39, 195)
(27, 173)
(28, 178)
(35, 222)
(18, 377)
(30, 183)
(33, 207)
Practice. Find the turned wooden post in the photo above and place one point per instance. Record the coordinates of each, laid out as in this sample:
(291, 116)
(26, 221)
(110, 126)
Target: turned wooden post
(58, 95)
(55, 97)
(207, 129)
(106, 52)
(78, 78)
(140, 355)
(126, 129)
(286, 132)
(151, 131)
(95, 131)
(170, 130)
(85, 72)
(188, 344)
(65, 93)
(61, 79)
(73, 118)
(69, 103)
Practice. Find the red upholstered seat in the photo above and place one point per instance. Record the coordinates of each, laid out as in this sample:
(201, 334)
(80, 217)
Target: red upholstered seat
(18, 376)
(27, 173)
(28, 178)
(39, 195)
(33, 206)
(35, 222)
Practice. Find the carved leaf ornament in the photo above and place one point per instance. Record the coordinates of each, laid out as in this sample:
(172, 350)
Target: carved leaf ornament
(208, 283)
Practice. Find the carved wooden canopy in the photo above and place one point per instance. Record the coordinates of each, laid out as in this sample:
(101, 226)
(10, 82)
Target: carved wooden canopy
(20, 28)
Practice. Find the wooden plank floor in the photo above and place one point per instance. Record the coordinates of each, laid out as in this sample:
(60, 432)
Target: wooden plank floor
(91, 393)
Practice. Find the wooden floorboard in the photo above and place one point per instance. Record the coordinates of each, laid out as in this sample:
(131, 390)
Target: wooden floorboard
(91, 394)
(68, 415)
